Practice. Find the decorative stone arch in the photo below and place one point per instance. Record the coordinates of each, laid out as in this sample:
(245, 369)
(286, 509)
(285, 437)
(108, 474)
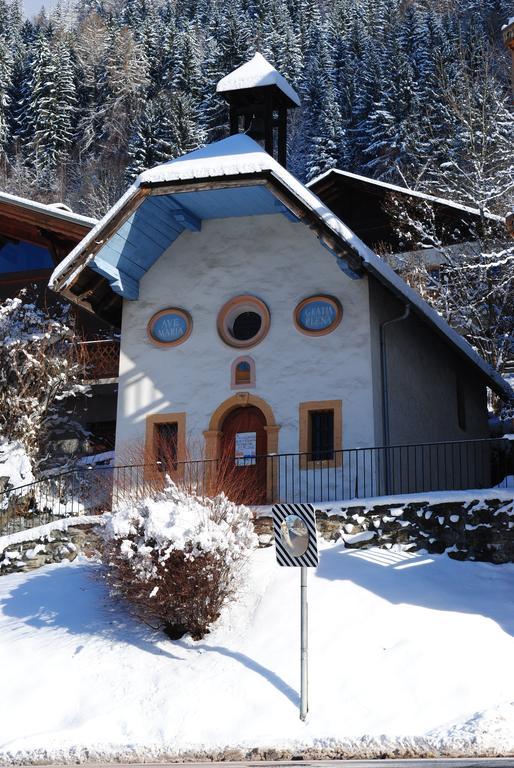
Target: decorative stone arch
(242, 400)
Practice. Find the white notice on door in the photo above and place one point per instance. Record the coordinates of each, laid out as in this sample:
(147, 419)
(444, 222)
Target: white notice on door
(246, 449)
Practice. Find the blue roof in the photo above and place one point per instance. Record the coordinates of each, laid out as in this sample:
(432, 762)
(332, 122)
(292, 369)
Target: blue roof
(159, 221)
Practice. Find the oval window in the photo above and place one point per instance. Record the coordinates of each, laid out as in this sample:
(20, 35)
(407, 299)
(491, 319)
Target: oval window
(170, 327)
(243, 321)
(318, 315)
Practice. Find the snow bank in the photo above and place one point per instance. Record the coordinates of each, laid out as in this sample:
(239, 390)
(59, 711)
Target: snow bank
(15, 465)
(409, 655)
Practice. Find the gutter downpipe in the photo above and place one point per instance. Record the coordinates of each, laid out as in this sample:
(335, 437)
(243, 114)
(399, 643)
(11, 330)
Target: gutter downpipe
(385, 389)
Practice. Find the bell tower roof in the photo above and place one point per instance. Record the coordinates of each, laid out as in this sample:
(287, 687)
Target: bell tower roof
(258, 73)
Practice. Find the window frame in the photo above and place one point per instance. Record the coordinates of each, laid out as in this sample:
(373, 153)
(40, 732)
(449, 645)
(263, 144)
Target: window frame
(332, 300)
(246, 303)
(305, 436)
(151, 454)
(183, 313)
(233, 373)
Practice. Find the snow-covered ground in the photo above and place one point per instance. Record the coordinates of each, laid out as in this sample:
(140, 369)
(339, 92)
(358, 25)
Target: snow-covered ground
(409, 654)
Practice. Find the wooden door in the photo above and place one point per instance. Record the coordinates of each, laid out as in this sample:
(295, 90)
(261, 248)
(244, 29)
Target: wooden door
(244, 446)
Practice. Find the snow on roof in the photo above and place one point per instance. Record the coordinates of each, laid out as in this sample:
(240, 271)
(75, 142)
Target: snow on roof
(241, 155)
(402, 190)
(256, 73)
(57, 210)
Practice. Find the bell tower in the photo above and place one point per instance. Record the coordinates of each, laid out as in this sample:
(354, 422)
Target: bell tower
(259, 98)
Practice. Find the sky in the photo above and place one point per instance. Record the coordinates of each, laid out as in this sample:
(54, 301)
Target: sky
(32, 7)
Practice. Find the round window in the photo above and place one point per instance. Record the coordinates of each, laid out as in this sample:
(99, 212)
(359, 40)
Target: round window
(243, 321)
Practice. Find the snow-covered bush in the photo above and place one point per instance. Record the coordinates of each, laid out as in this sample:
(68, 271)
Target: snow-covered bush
(15, 466)
(40, 369)
(177, 559)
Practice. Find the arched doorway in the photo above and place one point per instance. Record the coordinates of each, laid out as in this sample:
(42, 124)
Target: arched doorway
(243, 455)
(242, 433)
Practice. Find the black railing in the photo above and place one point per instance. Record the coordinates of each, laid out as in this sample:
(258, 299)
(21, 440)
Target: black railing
(82, 491)
(293, 477)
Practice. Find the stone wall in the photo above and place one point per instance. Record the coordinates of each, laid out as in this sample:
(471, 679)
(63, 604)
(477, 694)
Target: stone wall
(51, 547)
(477, 529)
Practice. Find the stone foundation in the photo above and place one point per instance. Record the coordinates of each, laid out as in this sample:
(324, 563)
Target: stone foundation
(53, 547)
(480, 529)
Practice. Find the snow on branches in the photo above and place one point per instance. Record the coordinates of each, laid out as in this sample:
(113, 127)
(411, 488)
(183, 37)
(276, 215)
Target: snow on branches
(39, 370)
(177, 558)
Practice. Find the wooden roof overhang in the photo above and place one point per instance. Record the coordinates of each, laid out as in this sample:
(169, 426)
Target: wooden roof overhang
(361, 203)
(81, 283)
(23, 222)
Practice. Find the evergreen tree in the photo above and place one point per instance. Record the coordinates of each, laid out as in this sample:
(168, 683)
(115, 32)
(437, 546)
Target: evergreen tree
(50, 113)
(6, 68)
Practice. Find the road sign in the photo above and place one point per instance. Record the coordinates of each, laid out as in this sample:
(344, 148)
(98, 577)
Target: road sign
(294, 526)
(296, 544)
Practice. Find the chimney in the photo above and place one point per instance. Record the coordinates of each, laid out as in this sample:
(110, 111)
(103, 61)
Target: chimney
(508, 39)
(259, 98)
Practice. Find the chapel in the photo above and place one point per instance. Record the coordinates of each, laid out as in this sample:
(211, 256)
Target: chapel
(260, 333)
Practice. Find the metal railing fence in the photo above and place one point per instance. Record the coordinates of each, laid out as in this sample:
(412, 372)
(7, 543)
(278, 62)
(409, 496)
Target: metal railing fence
(292, 477)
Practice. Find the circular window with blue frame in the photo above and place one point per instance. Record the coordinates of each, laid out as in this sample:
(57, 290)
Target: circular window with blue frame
(170, 327)
(318, 315)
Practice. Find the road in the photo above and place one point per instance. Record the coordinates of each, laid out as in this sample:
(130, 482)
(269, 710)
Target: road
(461, 762)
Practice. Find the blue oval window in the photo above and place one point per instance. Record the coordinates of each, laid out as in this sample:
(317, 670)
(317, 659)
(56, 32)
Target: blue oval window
(318, 315)
(170, 327)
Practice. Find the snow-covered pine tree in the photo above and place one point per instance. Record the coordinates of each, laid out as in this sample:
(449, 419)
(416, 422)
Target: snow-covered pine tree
(228, 45)
(322, 121)
(327, 147)
(51, 111)
(124, 85)
(6, 69)
(187, 72)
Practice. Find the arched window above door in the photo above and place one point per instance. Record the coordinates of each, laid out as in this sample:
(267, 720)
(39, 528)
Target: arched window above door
(243, 373)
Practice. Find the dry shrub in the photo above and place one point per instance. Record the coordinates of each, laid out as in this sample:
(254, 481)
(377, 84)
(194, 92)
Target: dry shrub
(193, 473)
(177, 558)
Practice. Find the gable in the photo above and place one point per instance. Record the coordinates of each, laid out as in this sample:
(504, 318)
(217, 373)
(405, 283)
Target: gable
(161, 218)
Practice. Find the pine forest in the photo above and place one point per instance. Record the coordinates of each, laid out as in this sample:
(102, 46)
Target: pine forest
(415, 93)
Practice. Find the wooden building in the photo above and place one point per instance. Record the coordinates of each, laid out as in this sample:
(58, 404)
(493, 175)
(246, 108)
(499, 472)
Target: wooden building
(34, 239)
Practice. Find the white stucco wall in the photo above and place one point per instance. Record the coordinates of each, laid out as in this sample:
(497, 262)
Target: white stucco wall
(281, 263)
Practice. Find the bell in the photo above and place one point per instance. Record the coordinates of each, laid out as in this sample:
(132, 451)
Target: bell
(256, 128)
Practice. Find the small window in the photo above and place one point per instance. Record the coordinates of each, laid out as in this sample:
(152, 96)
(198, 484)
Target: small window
(243, 373)
(461, 405)
(321, 432)
(166, 446)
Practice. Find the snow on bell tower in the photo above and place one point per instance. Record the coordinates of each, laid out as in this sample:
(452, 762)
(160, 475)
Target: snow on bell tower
(259, 98)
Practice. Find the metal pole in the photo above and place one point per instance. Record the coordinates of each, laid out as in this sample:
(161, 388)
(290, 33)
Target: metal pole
(304, 706)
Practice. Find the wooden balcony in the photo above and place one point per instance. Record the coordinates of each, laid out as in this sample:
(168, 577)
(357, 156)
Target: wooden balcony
(101, 360)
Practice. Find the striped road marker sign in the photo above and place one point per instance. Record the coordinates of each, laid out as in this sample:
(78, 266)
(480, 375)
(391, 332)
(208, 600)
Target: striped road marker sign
(296, 544)
(294, 526)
